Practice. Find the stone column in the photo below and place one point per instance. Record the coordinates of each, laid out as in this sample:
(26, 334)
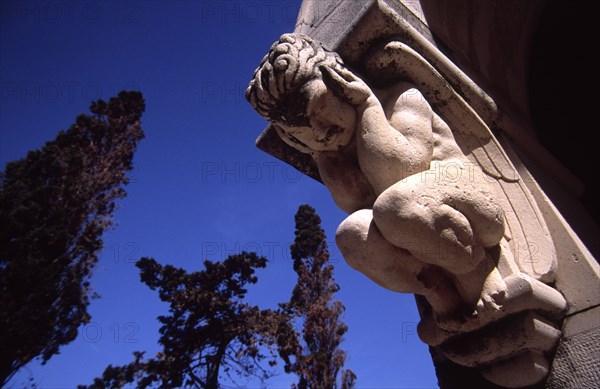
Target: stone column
(450, 209)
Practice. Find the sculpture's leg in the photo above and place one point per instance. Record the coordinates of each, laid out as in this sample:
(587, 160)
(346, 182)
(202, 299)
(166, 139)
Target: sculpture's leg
(366, 250)
(448, 224)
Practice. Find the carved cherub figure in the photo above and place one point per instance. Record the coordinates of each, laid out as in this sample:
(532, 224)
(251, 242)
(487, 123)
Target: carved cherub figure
(436, 206)
(421, 219)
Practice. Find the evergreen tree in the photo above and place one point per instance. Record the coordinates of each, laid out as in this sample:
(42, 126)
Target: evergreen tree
(209, 333)
(314, 355)
(55, 204)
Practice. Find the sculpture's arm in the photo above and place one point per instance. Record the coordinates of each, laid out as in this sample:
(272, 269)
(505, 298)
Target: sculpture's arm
(394, 146)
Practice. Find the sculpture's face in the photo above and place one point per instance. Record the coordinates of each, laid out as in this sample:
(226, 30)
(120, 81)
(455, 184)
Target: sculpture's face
(332, 121)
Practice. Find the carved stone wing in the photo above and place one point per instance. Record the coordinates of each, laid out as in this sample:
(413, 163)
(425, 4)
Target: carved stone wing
(526, 230)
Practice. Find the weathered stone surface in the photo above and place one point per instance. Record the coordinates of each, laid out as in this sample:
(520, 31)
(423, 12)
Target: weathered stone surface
(424, 217)
(524, 294)
(505, 339)
(440, 205)
(270, 142)
(531, 365)
(577, 360)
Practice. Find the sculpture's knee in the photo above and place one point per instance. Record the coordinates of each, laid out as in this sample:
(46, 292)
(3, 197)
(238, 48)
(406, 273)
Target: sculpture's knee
(351, 236)
(398, 215)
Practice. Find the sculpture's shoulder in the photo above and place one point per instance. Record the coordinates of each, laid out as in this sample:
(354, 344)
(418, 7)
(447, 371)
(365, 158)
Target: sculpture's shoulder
(403, 96)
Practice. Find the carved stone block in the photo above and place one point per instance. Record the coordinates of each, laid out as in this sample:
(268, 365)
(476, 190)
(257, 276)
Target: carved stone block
(439, 204)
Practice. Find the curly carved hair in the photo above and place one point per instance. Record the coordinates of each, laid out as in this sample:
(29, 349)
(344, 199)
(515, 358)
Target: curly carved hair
(276, 92)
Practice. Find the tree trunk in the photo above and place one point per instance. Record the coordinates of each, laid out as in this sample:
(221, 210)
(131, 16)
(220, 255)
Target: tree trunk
(212, 374)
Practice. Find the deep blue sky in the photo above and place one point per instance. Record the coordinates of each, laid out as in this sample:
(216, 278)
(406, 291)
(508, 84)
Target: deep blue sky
(200, 188)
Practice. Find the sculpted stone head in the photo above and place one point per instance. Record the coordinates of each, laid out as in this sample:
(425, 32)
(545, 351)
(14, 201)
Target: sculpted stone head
(302, 89)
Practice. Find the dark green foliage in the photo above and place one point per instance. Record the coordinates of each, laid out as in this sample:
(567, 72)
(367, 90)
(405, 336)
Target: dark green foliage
(55, 205)
(314, 355)
(209, 331)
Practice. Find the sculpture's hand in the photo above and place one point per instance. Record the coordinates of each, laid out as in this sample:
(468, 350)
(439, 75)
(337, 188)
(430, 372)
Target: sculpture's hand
(346, 84)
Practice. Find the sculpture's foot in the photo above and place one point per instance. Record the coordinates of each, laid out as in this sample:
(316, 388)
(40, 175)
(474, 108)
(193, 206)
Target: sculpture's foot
(522, 293)
(526, 326)
(489, 300)
(483, 288)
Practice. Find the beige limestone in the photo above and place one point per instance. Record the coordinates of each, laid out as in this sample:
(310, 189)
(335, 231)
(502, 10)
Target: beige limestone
(538, 241)
(436, 206)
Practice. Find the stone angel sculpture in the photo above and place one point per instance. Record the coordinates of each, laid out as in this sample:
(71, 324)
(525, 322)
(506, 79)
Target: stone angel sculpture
(435, 206)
